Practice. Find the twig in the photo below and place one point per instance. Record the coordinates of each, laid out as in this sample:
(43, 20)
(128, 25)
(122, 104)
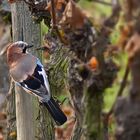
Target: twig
(53, 14)
(66, 98)
(103, 2)
(120, 92)
(54, 26)
(112, 20)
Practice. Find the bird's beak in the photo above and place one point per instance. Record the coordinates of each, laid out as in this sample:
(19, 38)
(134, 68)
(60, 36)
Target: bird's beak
(41, 48)
(29, 46)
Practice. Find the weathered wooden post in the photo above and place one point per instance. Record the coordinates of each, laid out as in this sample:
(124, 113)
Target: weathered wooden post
(23, 28)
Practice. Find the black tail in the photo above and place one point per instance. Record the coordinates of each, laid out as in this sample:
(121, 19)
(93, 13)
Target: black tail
(55, 111)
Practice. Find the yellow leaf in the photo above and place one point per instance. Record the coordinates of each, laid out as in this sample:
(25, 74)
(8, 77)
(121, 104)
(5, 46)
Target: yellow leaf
(13, 134)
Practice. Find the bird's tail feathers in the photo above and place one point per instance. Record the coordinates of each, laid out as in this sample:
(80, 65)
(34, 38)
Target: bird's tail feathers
(55, 111)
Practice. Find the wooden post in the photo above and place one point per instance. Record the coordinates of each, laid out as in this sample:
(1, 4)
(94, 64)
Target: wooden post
(25, 29)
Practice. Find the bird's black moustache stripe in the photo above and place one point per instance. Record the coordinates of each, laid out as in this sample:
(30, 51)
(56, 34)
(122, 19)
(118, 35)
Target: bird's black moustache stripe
(24, 50)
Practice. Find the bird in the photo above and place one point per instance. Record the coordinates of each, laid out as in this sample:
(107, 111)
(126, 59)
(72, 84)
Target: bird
(28, 72)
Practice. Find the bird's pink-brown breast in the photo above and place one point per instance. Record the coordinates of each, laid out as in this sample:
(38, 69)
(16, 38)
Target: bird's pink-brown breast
(21, 65)
(23, 68)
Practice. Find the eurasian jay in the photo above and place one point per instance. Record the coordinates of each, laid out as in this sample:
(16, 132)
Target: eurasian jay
(28, 72)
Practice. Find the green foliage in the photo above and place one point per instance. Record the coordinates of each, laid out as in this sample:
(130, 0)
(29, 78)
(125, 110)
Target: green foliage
(114, 36)
(96, 10)
(44, 28)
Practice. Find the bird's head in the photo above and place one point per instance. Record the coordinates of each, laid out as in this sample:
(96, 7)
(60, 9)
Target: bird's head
(16, 50)
(19, 47)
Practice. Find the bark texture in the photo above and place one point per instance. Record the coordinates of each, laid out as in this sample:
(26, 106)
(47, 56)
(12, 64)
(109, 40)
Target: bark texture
(24, 29)
(11, 113)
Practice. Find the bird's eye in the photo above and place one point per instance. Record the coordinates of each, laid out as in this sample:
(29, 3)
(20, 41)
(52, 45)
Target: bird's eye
(26, 47)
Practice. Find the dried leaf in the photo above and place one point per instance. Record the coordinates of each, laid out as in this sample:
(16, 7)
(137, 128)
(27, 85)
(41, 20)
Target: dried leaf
(133, 46)
(73, 16)
(68, 130)
(93, 63)
(68, 111)
(12, 1)
(124, 35)
(59, 8)
(13, 134)
(57, 4)
(59, 132)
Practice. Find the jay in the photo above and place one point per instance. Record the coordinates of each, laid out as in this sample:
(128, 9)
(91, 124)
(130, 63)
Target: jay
(28, 72)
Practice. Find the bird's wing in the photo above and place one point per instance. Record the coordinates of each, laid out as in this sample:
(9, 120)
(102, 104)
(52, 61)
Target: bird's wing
(22, 67)
(37, 83)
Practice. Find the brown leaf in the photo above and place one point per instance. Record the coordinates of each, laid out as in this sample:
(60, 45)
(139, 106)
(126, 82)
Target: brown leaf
(59, 132)
(68, 130)
(68, 111)
(13, 134)
(59, 6)
(125, 32)
(133, 46)
(12, 1)
(73, 16)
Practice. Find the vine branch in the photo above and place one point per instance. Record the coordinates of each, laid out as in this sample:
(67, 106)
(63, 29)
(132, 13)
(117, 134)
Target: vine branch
(103, 2)
(120, 92)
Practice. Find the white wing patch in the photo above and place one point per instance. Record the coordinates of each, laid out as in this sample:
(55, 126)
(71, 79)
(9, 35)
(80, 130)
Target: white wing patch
(43, 73)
